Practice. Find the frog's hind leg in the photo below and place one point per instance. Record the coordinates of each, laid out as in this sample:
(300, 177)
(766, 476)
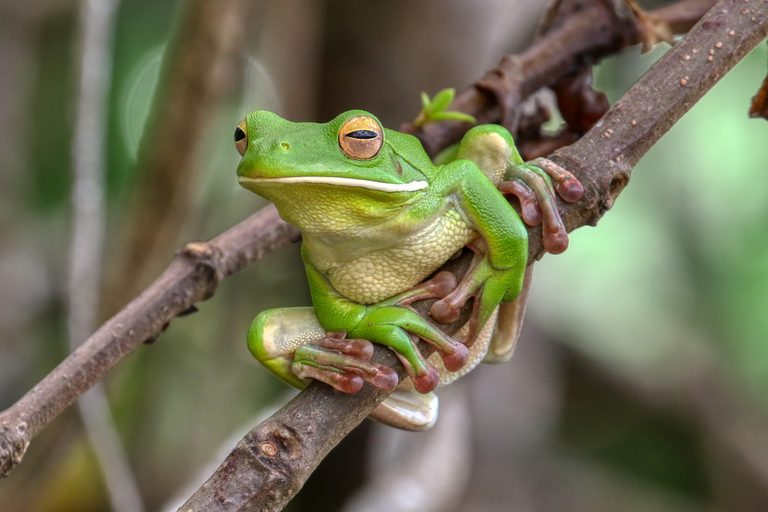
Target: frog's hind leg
(509, 324)
(407, 409)
(411, 325)
(291, 343)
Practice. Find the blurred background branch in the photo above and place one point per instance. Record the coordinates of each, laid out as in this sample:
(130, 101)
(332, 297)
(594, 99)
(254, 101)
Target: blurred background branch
(200, 70)
(96, 26)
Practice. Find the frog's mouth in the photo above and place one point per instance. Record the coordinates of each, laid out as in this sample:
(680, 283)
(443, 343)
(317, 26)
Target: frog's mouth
(413, 186)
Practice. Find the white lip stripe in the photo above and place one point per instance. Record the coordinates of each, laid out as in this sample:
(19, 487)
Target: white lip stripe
(345, 182)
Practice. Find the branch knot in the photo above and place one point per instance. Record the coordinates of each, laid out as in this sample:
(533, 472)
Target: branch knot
(207, 257)
(13, 444)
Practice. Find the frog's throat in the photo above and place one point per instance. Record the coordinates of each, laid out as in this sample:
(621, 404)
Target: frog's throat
(345, 182)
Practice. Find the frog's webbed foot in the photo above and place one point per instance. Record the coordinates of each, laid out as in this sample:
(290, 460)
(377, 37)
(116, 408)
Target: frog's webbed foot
(398, 327)
(342, 363)
(534, 184)
(487, 285)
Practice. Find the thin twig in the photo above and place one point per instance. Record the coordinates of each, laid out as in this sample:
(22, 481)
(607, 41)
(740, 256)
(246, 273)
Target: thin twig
(97, 20)
(270, 464)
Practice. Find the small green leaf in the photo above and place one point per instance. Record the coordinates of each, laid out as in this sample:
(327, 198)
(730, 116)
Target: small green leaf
(442, 99)
(452, 116)
(425, 103)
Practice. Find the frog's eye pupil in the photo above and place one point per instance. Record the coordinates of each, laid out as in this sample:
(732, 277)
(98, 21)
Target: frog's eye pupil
(363, 134)
(239, 134)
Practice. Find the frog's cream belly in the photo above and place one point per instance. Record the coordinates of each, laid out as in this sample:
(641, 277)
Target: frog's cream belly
(381, 274)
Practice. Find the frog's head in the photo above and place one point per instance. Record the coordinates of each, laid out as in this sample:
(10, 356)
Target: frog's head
(341, 175)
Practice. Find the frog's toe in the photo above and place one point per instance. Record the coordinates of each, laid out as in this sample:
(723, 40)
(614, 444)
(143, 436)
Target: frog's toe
(453, 353)
(428, 382)
(444, 311)
(456, 361)
(385, 379)
(344, 382)
(342, 371)
(555, 242)
(448, 309)
(529, 205)
(570, 190)
(357, 348)
(442, 284)
(566, 184)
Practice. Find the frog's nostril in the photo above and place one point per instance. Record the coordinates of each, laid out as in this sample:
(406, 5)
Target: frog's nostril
(286, 145)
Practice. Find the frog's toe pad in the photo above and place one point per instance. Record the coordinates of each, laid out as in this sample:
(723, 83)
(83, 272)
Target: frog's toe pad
(427, 382)
(456, 361)
(444, 283)
(444, 312)
(385, 378)
(555, 240)
(570, 190)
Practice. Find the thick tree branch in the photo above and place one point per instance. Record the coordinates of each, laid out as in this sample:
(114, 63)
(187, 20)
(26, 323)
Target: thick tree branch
(192, 277)
(270, 464)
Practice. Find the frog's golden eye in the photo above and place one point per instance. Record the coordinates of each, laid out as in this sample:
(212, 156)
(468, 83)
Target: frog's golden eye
(241, 137)
(361, 138)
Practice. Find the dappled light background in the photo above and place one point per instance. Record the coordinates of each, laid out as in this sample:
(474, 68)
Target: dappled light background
(641, 379)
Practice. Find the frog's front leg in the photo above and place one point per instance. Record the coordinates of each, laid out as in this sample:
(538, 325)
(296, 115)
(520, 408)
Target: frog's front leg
(535, 183)
(387, 323)
(497, 271)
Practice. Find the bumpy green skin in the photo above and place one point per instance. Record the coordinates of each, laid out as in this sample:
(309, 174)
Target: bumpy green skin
(375, 228)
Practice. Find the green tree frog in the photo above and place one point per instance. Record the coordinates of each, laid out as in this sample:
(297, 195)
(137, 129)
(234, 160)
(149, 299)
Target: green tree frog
(378, 217)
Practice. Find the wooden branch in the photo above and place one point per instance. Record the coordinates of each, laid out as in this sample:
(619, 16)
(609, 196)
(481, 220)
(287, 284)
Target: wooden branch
(583, 37)
(193, 276)
(271, 463)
